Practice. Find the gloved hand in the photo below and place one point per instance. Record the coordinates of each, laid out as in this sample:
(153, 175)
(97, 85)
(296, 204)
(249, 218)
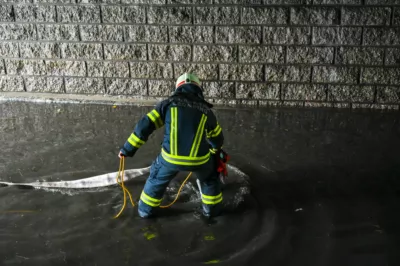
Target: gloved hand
(120, 155)
(124, 153)
(222, 159)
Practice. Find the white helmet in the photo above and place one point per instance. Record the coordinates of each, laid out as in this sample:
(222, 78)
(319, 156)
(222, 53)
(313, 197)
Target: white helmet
(187, 78)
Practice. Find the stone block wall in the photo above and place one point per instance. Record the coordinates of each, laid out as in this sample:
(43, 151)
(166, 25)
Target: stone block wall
(335, 53)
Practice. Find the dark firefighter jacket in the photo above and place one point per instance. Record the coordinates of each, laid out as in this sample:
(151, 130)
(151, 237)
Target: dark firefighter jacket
(191, 130)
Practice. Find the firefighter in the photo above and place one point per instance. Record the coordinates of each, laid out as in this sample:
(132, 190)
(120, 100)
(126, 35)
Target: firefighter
(192, 142)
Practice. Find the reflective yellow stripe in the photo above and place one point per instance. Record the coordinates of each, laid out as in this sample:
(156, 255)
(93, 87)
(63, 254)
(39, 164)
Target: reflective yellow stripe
(156, 113)
(156, 118)
(198, 137)
(159, 122)
(185, 160)
(135, 141)
(211, 199)
(149, 200)
(215, 132)
(213, 151)
(211, 202)
(174, 131)
(152, 118)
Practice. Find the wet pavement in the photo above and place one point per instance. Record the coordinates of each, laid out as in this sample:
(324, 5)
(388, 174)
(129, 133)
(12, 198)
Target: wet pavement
(325, 190)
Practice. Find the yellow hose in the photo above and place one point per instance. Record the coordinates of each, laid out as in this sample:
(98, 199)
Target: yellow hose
(179, 192)
(124, 189)
(120, 175)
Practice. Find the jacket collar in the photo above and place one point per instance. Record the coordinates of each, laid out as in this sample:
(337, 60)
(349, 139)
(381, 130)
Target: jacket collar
(189, 89)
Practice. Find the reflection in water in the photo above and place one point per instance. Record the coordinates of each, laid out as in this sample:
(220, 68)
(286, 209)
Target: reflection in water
(324, 190)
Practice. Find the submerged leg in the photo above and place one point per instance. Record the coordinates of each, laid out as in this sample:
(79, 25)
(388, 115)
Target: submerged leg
(154, 189)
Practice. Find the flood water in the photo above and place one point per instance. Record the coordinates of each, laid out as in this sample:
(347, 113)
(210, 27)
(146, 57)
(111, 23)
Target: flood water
(325, 190)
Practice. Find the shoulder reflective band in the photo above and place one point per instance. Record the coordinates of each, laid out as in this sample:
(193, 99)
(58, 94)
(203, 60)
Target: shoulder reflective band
(149, 200)
(211, 200)
(156, 118)
(135, 141)
(185, 160)
(215, 132)
(198, 137)
(174, 131)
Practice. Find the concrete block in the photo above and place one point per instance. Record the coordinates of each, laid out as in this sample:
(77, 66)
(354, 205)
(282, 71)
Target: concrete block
(101, 33)
(233, 35)
(366, 16)
(78, 13)
(65, 68)
(382, 2)
(258, 91)
(124, 14)
(84, 85)
(25, 67)
(169, 15)
(2, 67)
(98, 1)
(161, 87)
(49, 1)
(125, 51)
(126, 87)
(224, 90)
(385, 76)
(107, 69)
(44, 84)
(344, 93)
(287, 35)
(304, 92)
(81, 50)
(53, 32)
(261, 54)
(216, 15)
(237, 1)
(35, 13)
(39, 50)
(154, 2)
(337, 2)
(264, 15)
(169, 52)
(141, 33)
(337, 35)
(396, 16)
(189, 2)
(95, 68)
(6, 13)
(241, 72)
(288, 2)
(314, 16)
(310, 55)
(336, 74)
(203, 71)
(191, 34)
(25, 32)
(287, 73)
(360, 56)
(10, 83)
(8, 49)
(215, 53)
(381, 36)
(387, 94)
(393, 56)
(116, 69)
(151, 70)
